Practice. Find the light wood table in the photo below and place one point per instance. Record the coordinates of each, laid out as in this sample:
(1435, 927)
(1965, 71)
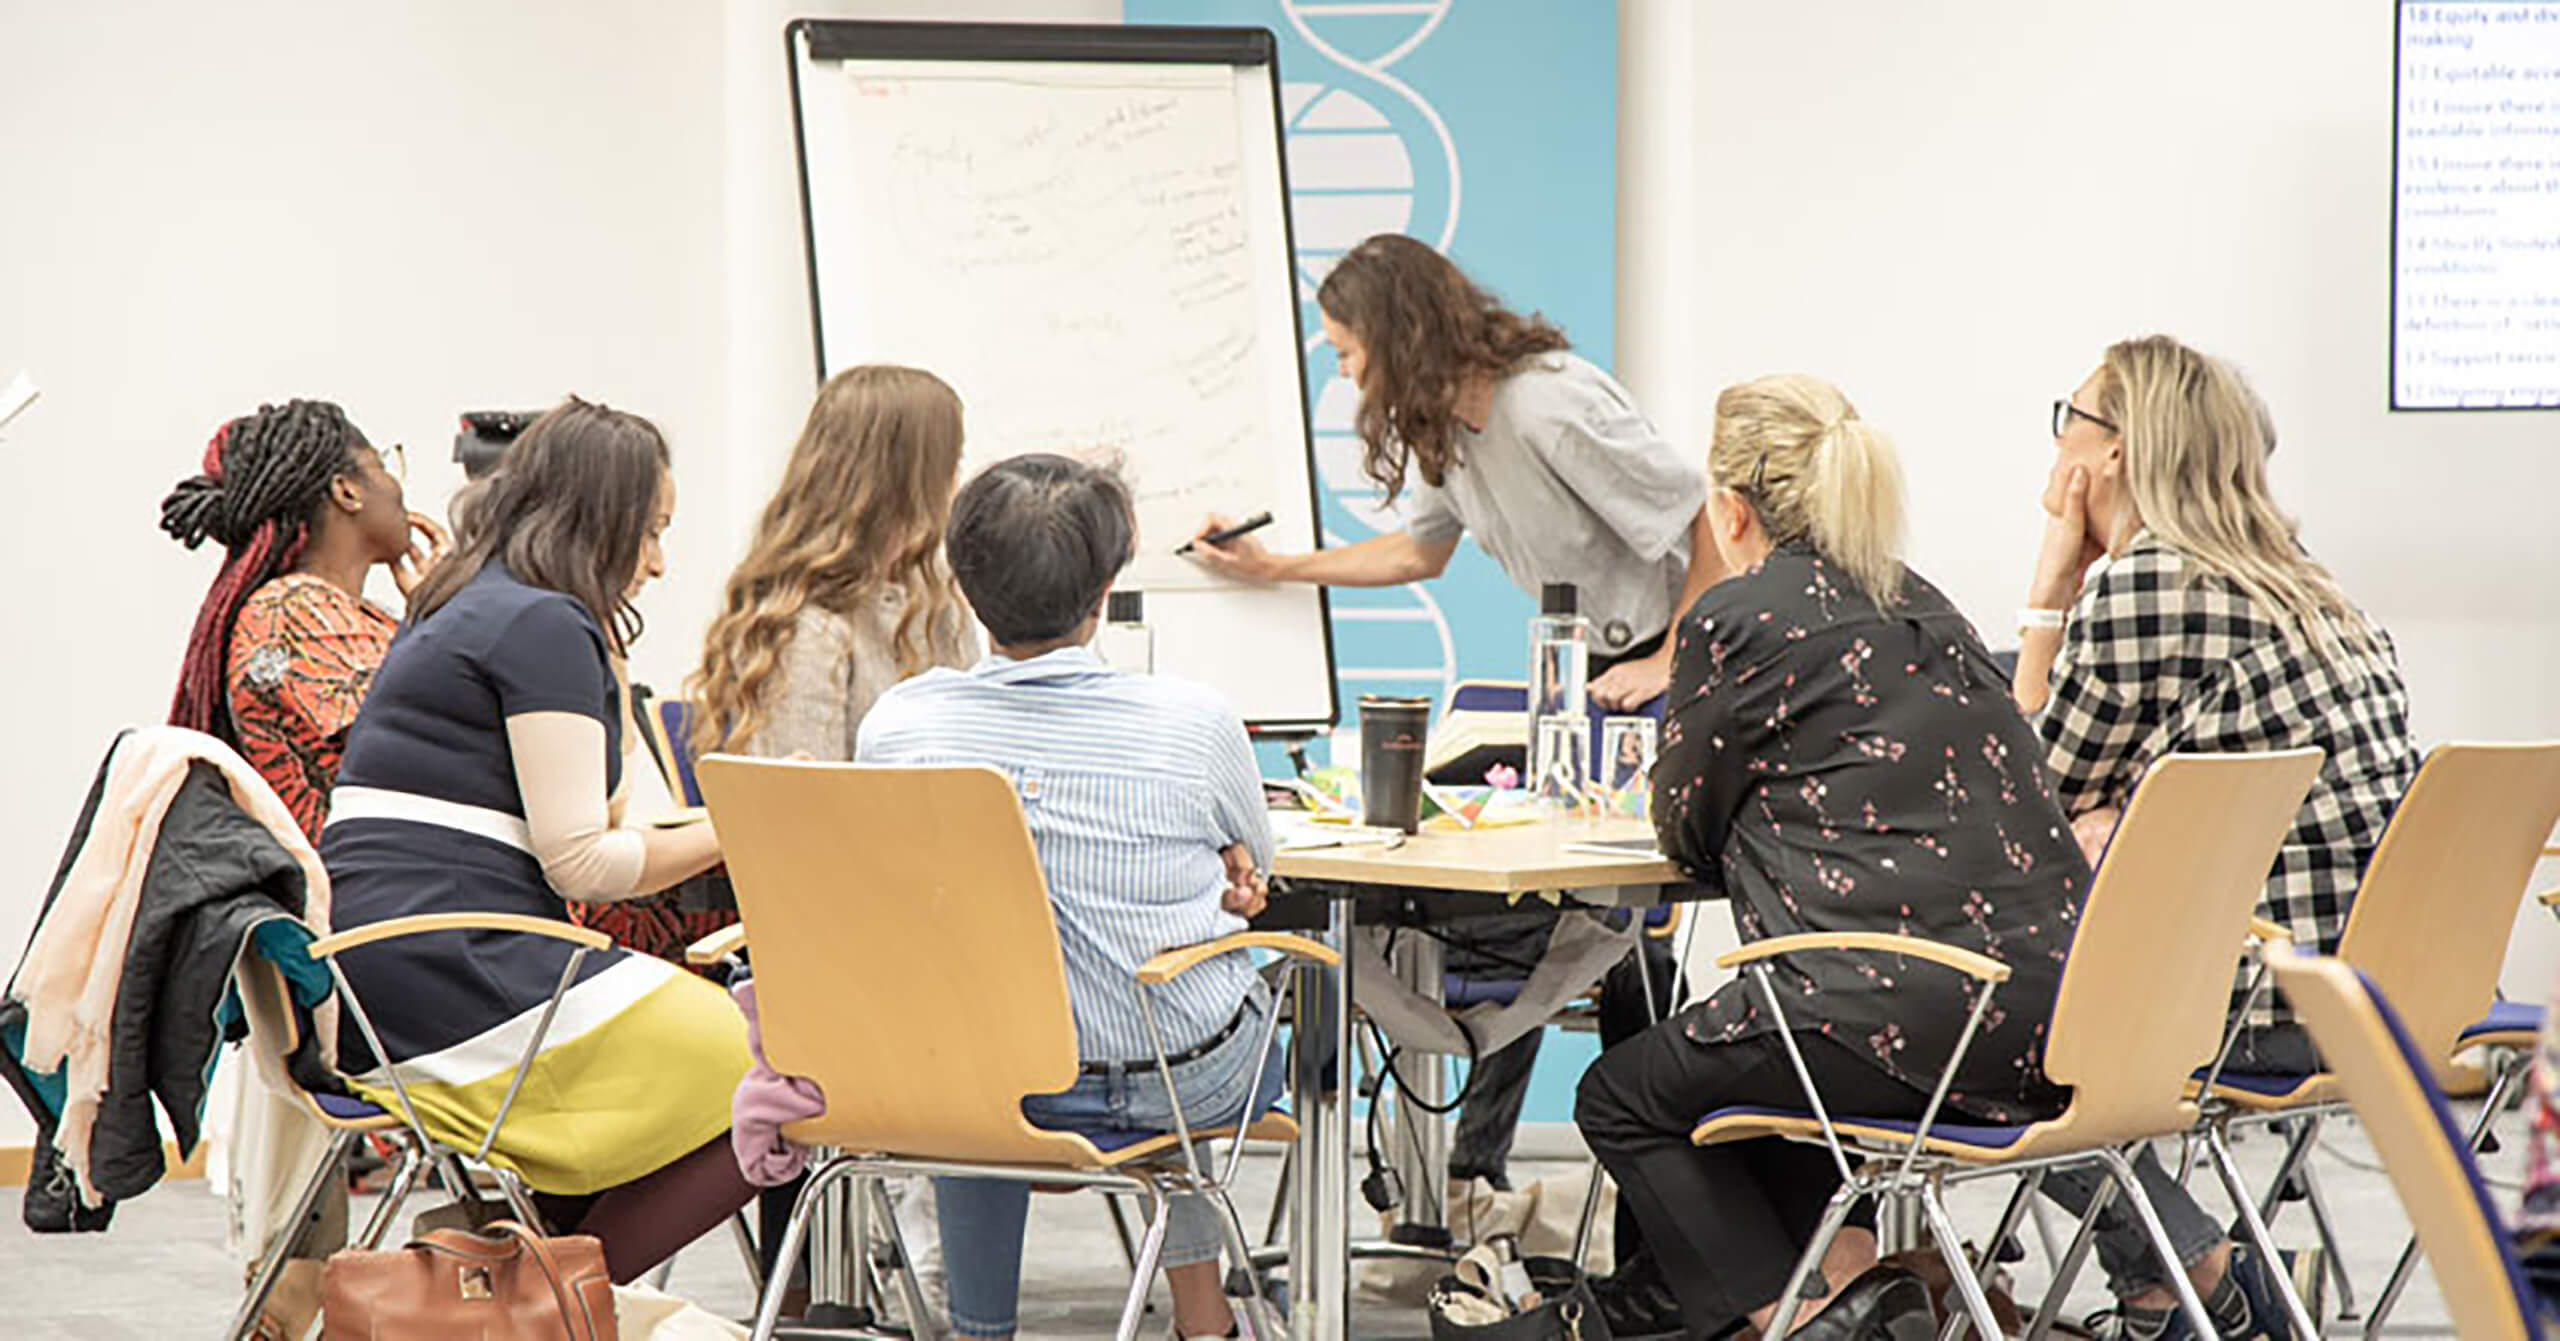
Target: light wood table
(1513, 859)
(1481, 867)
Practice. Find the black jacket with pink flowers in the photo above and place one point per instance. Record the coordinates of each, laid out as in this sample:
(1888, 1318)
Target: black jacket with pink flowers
(1839, 767)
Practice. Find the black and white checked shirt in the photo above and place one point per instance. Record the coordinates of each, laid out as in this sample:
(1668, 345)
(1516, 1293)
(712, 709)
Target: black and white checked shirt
(2161, 656)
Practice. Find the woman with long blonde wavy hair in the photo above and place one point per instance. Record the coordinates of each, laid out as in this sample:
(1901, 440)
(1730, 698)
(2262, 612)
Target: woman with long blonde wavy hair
(843, 591)
(2207, 627)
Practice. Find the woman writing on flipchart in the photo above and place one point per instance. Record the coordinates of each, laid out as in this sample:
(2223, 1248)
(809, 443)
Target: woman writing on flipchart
(1562, 479)
(1544, 457)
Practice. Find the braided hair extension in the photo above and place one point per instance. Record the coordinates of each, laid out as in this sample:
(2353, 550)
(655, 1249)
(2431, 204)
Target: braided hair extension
(264, 477)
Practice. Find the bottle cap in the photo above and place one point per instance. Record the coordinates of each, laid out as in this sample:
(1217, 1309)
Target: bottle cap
(1559, 598)
(1125, 607)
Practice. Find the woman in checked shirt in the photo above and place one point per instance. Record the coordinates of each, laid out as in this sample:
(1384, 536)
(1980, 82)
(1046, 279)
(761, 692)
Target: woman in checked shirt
(2174, 608)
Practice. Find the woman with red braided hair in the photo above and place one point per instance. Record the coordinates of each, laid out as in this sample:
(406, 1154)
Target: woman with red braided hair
(285, 643)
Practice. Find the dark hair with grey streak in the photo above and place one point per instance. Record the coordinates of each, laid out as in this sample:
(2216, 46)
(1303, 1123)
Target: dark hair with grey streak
(1035, 542)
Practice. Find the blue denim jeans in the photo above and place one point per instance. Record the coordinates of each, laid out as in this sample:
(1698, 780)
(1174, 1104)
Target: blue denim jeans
(982, 1218)
(2124, 1249)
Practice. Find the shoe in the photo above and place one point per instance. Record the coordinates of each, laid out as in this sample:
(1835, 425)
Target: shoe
(2244, 1304)
(1885, 1303)
(1636, 1303)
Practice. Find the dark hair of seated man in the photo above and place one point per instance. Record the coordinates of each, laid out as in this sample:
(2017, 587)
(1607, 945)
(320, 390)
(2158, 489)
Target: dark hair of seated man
(1035, 542)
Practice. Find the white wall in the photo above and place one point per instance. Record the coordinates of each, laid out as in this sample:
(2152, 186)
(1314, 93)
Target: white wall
(412, 209)
(1951, 209)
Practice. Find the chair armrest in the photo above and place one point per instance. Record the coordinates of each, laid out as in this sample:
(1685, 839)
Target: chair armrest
(2270, 933)
(718, 945)
(1966, 962)
(422, 923)
(1172, 964)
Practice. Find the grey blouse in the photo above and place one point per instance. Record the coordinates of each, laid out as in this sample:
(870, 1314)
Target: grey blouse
(1569, 482)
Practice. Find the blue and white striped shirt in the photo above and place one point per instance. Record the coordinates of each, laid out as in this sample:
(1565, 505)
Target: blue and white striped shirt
(1131, 785)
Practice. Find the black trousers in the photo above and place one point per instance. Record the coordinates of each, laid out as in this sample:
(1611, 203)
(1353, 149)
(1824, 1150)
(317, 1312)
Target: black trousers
(1724, 1223)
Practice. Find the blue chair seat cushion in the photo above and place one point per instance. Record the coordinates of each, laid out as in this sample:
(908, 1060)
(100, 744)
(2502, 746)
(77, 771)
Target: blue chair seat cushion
(348, 1108)
(2269, 1086)
(2507, 1017)
(1986, 1137)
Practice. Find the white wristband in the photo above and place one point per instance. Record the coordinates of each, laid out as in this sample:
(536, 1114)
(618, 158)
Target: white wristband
(2032, 618)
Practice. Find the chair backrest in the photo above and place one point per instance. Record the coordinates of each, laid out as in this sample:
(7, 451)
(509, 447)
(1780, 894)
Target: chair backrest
(267, 1002)
(670, 730)
(905, 955)
(2386, 1072)
(2148, 981)
(2437, 903)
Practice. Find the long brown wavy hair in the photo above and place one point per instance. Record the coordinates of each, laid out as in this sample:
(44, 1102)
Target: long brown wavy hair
(862, 507)
(569, 511)
(1426, 329)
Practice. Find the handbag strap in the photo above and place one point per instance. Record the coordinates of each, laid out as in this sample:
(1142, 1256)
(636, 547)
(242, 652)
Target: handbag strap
(540, 1251)
(502, 1233)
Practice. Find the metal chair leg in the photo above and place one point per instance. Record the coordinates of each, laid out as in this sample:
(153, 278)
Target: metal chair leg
(1261, 1321)
(921, 1324)
(2122, 1169)
(1280, 1198)
(2016, 1210)
(2330, 1244)
(2066, 1265)
(2408, 1263)
(769, 1308)
(1951, 1248)
(395, 1194)
(745, 1238)
(1143, 1278)
(1120, 1227)
(1833, 1216)
(333, 1161)
(2218, 1152)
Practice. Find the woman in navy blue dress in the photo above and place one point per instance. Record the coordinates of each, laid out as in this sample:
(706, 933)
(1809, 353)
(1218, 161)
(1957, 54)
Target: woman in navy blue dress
(484, 774)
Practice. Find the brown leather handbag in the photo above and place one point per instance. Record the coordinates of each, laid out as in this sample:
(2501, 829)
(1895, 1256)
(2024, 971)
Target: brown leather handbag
(509, 1284)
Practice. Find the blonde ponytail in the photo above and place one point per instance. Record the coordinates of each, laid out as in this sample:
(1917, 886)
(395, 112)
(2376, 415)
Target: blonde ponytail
(1796, 450)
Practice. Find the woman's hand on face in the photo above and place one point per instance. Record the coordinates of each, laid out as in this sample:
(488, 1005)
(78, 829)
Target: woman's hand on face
(2070, 545)
(1243, 558)
(428, 543)
(1632, 684)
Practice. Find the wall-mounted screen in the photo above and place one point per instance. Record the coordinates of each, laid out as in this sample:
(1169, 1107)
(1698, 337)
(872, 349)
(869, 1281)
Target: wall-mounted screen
(2475, 237)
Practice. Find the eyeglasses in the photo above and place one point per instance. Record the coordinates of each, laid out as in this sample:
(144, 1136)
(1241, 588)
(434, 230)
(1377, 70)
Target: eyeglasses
(395, 459)
(2064, 412)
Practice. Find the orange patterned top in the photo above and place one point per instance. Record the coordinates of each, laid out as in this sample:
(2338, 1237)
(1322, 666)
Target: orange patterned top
(303, 652)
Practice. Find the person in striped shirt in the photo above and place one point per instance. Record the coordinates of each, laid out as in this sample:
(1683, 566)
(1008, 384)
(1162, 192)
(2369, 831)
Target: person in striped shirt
(1145, 805)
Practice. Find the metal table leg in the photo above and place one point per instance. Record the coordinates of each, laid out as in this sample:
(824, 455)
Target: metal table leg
(1319, 1223)
(1420, 1148)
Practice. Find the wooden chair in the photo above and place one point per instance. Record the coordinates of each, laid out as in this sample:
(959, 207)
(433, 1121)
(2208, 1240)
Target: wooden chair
(264, 995)
(2386, 1072)
(2429, 926)
(2140, 1007)
(907, 960)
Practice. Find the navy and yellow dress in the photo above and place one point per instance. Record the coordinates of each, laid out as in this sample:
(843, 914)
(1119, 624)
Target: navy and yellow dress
(638, 1066)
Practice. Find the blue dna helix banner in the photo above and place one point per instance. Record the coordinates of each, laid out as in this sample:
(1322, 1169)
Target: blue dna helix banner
(1487, 128)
